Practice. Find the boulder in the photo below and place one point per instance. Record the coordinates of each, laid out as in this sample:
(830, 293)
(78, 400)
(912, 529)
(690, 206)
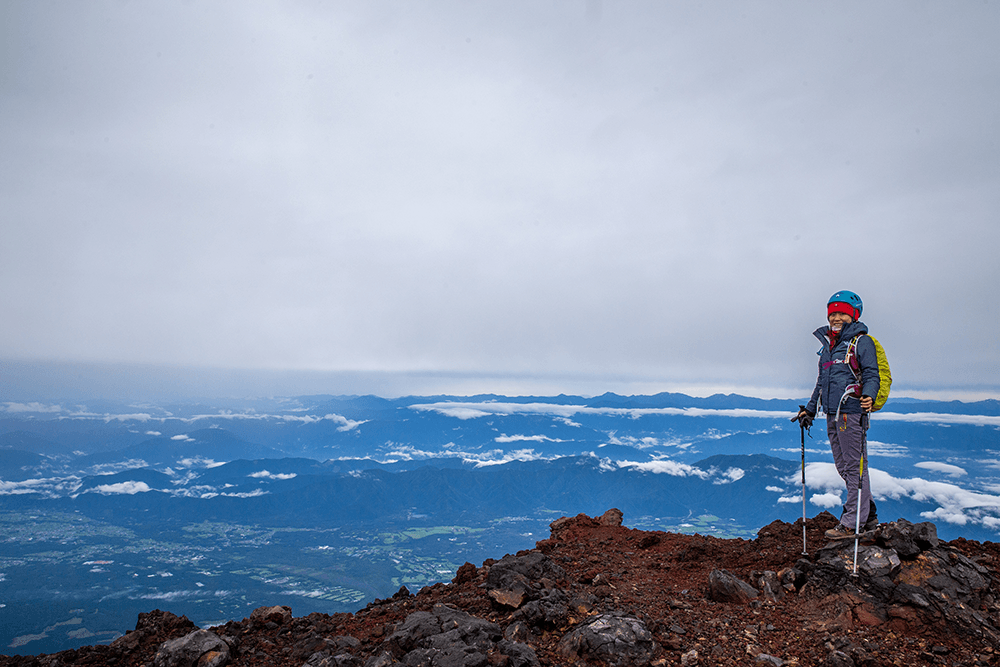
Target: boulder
(523, 572)
(276, 614)
(769, 585)
(908, 539)
(512, 599)
(613, 517)
(877, 562)
(381, 660)
(835, 561)
(547, 612)
(339, 660)
(447, 637)
(518, 654)
(443, 635)
(467, 572)
(838, 659)
(200, 648)
(910, 578)
(518, 631)
(152, 625)
(614, 640)
(563, 524)
(315, 647)
(723, 586)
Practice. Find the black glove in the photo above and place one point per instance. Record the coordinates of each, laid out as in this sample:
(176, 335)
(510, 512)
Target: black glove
(804, 417)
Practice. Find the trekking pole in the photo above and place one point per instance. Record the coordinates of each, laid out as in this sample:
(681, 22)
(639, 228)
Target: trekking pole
(857, 512)
(802, 432)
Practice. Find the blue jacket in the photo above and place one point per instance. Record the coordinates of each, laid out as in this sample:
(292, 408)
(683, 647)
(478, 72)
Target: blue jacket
(835, 375)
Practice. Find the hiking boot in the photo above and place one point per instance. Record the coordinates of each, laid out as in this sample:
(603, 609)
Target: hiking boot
(872, 522)
(839, 532)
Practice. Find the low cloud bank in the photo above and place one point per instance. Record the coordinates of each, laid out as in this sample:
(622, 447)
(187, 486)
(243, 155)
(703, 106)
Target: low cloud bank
(394, 452)
(81, 413)
(946, 468)
(473, 410)
(677, 469)
(125, 488)
(529, 438)
(266, 474)
(956, 505)
(48, 487)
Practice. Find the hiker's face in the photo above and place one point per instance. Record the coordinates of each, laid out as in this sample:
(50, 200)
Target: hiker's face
(838, 320)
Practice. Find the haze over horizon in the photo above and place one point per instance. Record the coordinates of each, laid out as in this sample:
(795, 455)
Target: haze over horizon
(265, 199)
(22, 381)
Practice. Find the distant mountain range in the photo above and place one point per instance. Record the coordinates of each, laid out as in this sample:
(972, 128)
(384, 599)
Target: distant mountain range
(608, 444)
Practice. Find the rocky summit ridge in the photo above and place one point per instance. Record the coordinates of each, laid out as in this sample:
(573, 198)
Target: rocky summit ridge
(598, 593)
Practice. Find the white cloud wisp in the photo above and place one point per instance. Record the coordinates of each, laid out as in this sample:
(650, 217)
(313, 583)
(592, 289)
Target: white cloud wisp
(956, 505)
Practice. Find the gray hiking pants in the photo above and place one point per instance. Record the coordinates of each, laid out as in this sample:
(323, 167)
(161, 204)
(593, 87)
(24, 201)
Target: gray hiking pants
(849, 442)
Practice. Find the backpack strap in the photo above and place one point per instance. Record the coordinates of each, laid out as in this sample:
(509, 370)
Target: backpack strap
(852, 362)
(851, 358)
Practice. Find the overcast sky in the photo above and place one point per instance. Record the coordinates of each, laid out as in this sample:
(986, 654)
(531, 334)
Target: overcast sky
(507, 196)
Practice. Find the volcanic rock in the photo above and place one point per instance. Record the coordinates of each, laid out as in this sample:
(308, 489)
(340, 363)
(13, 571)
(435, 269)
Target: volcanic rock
(723, 586)
(518, 572)
(613, 517)
(908, 539)
(201, 648)
(278, 615)
(612, 639)
(448, 637)
(598, 593)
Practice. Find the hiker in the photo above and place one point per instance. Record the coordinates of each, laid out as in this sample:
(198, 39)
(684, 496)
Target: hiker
(847, 403)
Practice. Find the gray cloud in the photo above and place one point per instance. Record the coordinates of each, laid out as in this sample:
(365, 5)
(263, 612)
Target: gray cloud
(649, 195)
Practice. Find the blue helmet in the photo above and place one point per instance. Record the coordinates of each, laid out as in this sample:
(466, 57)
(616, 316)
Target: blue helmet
(847, 302)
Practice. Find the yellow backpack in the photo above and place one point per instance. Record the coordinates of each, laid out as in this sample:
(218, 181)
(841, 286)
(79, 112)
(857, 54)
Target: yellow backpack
(884, 375)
